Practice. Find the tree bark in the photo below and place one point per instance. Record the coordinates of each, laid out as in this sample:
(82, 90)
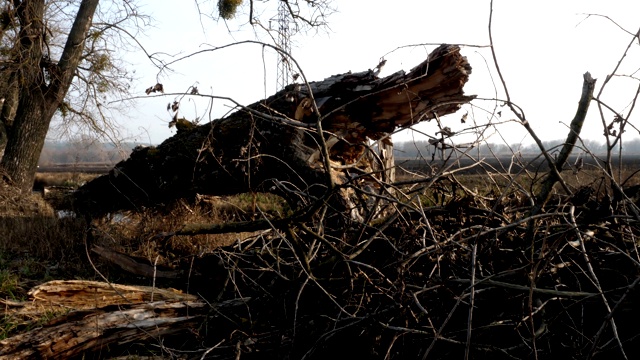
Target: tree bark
(274, 145)
(8, 106)
(43, 86)
(102, 316)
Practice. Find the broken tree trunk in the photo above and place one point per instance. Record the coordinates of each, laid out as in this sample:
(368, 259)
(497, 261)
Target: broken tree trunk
(96, 315)
(273, 145)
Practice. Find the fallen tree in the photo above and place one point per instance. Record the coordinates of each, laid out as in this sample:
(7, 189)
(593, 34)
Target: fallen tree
(275, 145)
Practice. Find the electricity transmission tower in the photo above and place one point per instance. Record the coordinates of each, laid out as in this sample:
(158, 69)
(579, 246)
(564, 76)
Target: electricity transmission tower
(283, 74)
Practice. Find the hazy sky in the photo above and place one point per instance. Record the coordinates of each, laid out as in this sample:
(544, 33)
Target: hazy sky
(543, 49)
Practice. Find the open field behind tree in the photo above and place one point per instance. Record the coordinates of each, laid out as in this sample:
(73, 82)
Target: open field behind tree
(96, 157)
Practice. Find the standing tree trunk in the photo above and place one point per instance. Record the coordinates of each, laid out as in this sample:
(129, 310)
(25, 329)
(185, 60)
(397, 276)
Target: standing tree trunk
(42, 86)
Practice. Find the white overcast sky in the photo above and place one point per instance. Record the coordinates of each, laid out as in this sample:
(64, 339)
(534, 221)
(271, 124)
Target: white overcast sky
(544, 47)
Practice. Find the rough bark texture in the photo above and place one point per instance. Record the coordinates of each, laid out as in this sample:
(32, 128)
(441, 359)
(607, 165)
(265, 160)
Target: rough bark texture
(273, 145)
(104, 316)
(8, 105)
(43, 85)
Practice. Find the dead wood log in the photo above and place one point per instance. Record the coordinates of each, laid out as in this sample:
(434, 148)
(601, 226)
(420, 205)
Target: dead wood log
(103, 315)
(273, 145)
(65, 295)
(79, 332)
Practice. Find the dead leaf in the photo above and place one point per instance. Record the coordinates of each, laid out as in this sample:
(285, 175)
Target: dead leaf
(155, 88)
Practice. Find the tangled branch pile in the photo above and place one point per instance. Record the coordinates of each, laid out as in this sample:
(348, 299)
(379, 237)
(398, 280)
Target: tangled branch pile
(469, 275)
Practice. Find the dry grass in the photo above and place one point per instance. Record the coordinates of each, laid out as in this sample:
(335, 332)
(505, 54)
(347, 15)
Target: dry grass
(493, 184)
(41, 248)
(15, 204)
(137, 233)
(36, 245)
(62, 179)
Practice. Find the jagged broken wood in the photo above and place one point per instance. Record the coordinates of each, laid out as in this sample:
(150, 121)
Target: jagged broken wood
(273, 145)
(95, 315)
(588, 86)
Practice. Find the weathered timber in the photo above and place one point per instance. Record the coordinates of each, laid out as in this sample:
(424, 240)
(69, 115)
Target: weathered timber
(80, 294)
(102, 315)
(273, 145)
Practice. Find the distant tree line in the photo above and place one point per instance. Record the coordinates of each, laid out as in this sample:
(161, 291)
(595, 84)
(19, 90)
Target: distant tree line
(83, 152)
(422, 148)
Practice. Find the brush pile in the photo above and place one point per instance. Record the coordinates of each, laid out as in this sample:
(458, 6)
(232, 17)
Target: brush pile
(438, 272)
(470, 276)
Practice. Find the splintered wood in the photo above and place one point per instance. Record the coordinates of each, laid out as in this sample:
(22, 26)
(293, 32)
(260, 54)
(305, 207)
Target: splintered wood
(89, 315)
